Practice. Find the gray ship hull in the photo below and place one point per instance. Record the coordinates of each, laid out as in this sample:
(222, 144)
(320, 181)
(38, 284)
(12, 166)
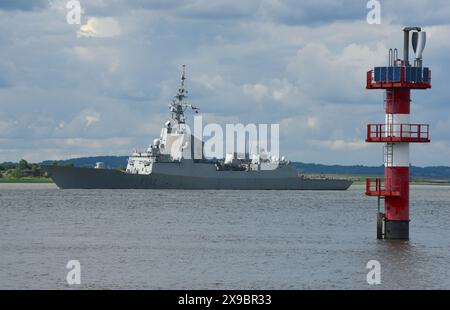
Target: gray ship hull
(90, 178)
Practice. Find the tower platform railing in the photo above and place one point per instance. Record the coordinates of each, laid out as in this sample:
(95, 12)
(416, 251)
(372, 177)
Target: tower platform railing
(410, 133)
(377, 187)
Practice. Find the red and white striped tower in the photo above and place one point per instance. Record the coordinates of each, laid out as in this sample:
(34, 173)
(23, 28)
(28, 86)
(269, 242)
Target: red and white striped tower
(398, 78)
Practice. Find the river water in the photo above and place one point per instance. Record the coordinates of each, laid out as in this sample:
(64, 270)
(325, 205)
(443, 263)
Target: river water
(175, 239)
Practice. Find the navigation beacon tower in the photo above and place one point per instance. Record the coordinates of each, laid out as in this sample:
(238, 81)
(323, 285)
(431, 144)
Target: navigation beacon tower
(398, 79)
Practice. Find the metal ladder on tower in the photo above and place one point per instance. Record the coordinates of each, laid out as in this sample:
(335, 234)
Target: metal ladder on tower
(389, 154)
(389, 147)
(388, 151)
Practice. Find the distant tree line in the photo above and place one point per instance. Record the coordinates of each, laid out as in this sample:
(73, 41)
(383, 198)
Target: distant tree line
(22, 169)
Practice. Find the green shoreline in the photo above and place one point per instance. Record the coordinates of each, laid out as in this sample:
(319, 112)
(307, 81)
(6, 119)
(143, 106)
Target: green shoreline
(26, 180)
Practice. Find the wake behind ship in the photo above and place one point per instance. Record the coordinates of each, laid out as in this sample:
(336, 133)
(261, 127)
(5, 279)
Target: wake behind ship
(169, 163)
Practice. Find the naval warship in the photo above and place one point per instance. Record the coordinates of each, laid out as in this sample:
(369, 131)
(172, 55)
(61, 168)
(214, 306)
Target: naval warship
(170, 163)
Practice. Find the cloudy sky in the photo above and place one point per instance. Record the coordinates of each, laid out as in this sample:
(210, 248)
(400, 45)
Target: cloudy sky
(102, 87)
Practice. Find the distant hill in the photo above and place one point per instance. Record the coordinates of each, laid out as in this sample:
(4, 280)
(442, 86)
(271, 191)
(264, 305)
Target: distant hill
(112, 162)
(440, 172)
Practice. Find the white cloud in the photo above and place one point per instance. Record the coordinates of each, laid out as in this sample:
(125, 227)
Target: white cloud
(256, 91)
(84, 53)
(210, 82)
(325, 72)
(108, 58)
(91, 119)
(278, 90)
(100, 27)
(312, 122)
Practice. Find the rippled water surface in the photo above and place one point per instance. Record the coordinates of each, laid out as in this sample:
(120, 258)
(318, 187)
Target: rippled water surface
(173, 239)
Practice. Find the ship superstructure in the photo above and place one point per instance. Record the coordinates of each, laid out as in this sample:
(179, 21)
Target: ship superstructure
(176, 144)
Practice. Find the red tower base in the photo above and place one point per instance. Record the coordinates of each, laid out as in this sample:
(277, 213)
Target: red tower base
(396, 208)
(396, 229)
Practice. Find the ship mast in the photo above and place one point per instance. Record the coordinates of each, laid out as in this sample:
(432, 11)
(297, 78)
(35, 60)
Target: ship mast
(178, 105)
